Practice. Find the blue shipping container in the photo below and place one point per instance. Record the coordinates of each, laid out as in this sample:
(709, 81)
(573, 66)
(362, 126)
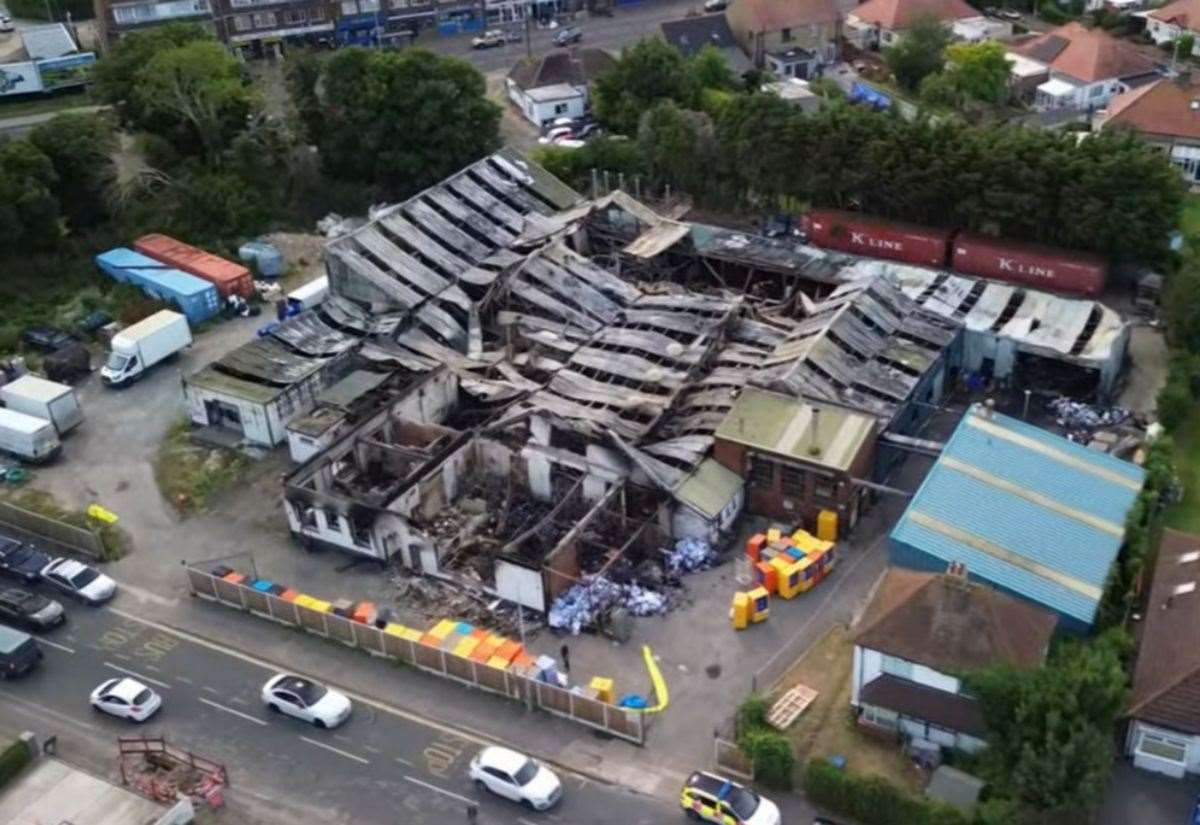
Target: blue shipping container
(196, 299)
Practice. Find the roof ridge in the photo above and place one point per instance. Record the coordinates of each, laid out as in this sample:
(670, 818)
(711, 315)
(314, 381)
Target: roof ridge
(1158, 694)
(902, 602)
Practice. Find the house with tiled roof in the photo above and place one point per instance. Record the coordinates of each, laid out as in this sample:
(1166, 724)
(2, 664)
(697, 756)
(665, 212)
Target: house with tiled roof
(1164, 706)
(787, 27)
(1166, 113)
(1168, 23)
(883, 22)
(692, 34)
(556, 85)
(1085, 67)
(921, 634)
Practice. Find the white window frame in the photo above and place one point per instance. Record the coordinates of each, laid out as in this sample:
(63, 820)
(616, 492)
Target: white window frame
(895, 666)
(1161, 744)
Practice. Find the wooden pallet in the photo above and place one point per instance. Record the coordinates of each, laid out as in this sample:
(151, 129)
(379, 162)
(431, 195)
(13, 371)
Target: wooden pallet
(790, 706)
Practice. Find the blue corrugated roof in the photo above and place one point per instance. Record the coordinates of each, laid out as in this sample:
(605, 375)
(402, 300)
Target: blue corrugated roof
(125, 258)
(1037, 499)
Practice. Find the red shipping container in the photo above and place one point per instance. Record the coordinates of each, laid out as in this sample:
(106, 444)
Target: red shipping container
(878, 238)
(1043, 267)
(228, 277)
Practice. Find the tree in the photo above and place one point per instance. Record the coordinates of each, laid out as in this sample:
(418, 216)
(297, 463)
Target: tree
(1184, 46)
(1050, 740)
(711, 70)
(979, 70)
(919, 52)
(302, 74)
(80, 148)
(197, 96)
(1181, 302)
(29, 211)
(210, 206)
(115, 78)
(678, 146)
(649, 72)
(402, 120)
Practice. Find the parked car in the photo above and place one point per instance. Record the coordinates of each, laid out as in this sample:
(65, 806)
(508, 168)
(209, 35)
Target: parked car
(29, 610)
(515, 776)
(45, 338)
(555, 134)
(19, 652)
(79, 580)
(6, 23)
(126, 698)
(716, 5)
(567, 36)
(489, 39)
(713, 798)
(1011, 14)
(305, 699)
(587, 131)
(20, 561)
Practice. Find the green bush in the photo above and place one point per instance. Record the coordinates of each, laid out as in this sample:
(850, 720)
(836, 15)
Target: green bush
(12, 760)
(873, 800)
(771, 754)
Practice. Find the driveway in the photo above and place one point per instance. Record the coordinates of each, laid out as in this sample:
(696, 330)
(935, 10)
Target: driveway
(1145, 798)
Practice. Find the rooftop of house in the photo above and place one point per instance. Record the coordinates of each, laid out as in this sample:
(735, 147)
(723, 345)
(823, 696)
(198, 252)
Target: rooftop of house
(691, 34)
(1085, 54)
(1183, 13)
(1165, 107)
(1166, 677)
(900, 14)
(576, 67)
(776, 15)
(1035, 513)
(951, 624)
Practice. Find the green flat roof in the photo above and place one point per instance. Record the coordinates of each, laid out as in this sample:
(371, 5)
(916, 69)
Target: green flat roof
(709, 488)
(817, 433)
(209, 379)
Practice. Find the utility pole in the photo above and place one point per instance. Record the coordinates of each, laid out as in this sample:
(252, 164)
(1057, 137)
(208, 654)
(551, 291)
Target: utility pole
(528, 45)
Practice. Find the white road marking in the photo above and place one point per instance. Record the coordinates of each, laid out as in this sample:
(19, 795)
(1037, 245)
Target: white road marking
(370, 749)
(185, 680)
(152, 668)
(210, 689)
(134, 673)
(55, 645)
(238, 701)
(238, 713)
(404, 761)
(27, 707)
(123, 657)
(450, 794)
(338, 751)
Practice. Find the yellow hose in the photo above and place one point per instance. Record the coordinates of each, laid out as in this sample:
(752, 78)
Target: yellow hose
(656, 678)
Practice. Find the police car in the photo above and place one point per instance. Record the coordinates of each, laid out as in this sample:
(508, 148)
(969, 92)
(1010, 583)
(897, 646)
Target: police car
(713, 798)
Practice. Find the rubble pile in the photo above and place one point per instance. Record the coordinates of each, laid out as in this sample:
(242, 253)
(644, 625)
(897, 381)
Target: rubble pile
(432, 598)
(1079, 420)
(690, 555)
(589, 603)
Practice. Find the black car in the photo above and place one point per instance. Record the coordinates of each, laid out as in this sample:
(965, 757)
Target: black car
(20, 561)
(568, 36)
(45, 338)
(29, 610)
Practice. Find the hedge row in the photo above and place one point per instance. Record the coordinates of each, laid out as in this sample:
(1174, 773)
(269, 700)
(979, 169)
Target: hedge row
(873, 800)
(12, 760)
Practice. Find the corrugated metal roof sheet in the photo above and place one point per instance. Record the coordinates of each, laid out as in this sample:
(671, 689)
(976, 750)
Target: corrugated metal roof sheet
(710, 488)
(1025, 509)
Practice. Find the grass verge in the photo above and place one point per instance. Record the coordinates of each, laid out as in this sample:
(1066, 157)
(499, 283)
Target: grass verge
(1189, 222)
(189, 475)
(1185, 515)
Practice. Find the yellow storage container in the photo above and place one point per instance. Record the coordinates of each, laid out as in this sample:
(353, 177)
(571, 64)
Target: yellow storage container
(465, 647)
(791, 580)
(304, 600)
(760, 604)
(443, 628)
(498, 662)
(396, 630)
(783, 566)
(412, 634)
(774, 535)
(739, 613)
(320, 606)
(603, 687)
(827, 525)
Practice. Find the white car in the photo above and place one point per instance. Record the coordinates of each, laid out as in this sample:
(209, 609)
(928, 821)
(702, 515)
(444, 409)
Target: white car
(305, 699)
(515, 776)
(77, 579)
(6, 23)
(126, 698)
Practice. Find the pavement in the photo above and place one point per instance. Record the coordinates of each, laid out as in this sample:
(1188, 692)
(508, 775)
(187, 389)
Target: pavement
(1144, 798)
(16, 127)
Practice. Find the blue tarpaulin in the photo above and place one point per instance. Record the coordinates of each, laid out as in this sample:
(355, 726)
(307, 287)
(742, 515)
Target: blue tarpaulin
(862, 93)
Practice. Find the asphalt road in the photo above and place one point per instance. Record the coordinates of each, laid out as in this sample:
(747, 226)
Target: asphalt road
(629, 24)
(381, 766)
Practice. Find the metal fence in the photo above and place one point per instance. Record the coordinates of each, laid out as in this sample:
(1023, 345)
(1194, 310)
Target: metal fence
(729, 759)
(66, 535)
(620, 722)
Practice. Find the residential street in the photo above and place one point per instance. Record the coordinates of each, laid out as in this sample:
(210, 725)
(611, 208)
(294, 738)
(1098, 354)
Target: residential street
(376, 764)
